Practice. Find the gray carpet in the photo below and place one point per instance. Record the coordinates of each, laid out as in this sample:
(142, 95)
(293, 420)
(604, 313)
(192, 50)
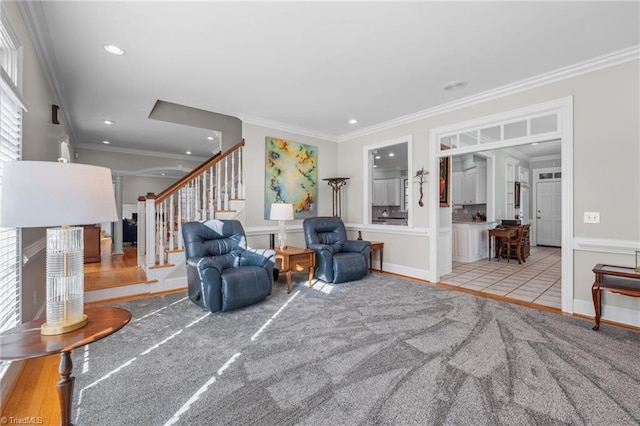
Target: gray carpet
(378, 351)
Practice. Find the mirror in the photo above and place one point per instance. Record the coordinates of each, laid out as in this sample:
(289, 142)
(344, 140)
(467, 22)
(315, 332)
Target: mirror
(389, 184)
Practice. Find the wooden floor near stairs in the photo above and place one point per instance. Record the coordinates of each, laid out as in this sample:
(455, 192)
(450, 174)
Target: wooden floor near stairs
(114, 271)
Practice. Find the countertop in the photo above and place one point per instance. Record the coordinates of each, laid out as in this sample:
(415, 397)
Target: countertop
(486, 225)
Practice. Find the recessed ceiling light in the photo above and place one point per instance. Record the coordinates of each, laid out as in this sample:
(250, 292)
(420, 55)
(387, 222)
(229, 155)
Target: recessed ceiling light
(210, 138)
(391, 154)
(374, 166)
(163, 174)
(106, 142)
(534, 144)
(353, 121)
(454, 85)
(107, 121)
(188, 152)
(115, 50)
(378, 157)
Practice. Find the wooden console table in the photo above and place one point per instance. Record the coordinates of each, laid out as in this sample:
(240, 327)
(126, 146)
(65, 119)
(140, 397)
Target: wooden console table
(616, 279)
(25, 341)
(291, 259)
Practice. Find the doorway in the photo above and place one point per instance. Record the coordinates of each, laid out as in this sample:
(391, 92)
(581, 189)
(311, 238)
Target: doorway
(537, 123)
(548, 207)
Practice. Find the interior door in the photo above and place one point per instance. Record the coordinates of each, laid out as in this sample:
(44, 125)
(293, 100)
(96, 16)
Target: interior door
(549, 214)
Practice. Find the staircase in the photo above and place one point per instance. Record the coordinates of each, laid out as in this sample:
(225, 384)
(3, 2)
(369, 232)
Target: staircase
(214, 190)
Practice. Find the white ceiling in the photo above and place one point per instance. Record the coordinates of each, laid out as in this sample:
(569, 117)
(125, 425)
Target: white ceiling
(306, 65)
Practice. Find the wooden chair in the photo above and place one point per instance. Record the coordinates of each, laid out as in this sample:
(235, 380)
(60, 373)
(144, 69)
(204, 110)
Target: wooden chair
(514, 248)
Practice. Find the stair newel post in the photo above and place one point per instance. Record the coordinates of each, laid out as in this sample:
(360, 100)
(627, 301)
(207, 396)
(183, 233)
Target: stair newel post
(180, 220)
(218, 188)
(226, 183)
(233, 176)
(240, 176)
(196, 198)
(187, 202)
(205, 191)
(211, 210)
(142, 231)
(172, 243)
(150, 213)
(161, 234)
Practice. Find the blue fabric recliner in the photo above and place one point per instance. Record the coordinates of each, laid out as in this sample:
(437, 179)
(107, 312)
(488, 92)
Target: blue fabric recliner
(222, 273)
(337, 259)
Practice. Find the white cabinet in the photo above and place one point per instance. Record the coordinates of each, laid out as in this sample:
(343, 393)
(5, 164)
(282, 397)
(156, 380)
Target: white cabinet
(386, 192)
(481, 185)
(456, 187)
(474, 186)
(379, 192)
(470, 241)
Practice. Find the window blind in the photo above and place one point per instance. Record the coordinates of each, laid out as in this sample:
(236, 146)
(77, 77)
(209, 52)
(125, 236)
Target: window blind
(11, 107)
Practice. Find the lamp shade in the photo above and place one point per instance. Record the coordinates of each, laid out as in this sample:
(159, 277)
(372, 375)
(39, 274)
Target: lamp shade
(281, 211)
(44, 193)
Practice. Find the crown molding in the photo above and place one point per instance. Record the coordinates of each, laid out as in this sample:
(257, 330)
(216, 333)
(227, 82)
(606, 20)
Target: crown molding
(545, 158)
(153, 172)
(141, 152)
(601, 62)
(36, 23)
(275, 125)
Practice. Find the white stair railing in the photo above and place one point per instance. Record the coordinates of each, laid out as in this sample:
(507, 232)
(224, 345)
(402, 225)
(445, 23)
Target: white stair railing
(197, 196)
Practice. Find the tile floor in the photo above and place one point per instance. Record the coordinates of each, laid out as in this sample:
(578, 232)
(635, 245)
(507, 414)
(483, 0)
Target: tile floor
(537, 280)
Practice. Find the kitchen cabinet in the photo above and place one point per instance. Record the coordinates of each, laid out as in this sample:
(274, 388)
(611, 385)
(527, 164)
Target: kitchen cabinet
(470, 241)
(386, 192)
(456, 187)
(473, 186)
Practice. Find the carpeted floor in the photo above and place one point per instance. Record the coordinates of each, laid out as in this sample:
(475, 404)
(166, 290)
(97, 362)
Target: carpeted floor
(378, 351)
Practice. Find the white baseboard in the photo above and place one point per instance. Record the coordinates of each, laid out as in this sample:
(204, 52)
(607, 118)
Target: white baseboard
(421, 274)
(611, 313)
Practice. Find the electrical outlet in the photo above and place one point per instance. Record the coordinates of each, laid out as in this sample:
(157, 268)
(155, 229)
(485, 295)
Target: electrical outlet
(591, 217)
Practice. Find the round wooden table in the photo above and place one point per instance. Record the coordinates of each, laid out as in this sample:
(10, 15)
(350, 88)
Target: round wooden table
(25, 341)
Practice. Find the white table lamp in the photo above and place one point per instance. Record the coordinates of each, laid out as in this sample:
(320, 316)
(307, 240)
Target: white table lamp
(44, 194)
(281, 212)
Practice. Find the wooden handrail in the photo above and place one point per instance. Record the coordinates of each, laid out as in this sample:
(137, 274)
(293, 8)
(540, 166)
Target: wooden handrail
(196, 172)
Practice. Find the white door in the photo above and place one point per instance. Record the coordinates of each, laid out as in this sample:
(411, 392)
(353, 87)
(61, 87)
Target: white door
(549, 214)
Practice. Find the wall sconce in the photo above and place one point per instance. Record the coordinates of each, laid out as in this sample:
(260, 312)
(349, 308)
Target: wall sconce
(421, 176)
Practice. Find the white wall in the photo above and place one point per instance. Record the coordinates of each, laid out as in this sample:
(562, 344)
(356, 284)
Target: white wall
(254, 161)
(606, 155)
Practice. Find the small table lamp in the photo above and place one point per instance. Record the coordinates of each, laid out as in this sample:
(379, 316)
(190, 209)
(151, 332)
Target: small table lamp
(43, 194)
(281, 212)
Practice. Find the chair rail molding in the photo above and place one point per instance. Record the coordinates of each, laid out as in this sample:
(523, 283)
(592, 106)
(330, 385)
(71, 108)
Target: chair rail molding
(606, 245)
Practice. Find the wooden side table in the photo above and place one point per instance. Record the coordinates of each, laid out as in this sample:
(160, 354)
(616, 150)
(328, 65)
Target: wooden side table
(291, 259)
(616, 279)
(376, 245)
(25, 341)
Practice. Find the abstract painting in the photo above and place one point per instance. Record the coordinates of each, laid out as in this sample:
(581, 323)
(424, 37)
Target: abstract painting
(291, 176)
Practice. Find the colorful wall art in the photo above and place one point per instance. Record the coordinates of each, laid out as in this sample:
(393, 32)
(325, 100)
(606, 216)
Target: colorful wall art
(291, 176)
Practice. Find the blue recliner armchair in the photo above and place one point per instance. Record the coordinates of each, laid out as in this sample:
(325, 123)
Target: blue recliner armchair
(337, 259)
(222, 273)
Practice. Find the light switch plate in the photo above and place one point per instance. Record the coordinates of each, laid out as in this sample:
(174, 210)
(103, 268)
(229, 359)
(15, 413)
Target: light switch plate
(591, 217)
